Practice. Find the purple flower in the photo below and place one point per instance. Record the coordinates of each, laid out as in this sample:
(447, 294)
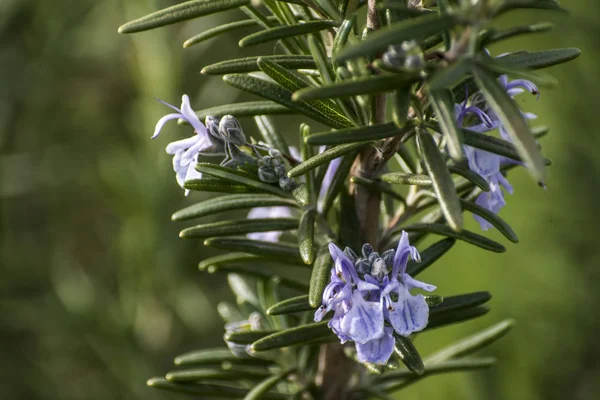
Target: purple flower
(487, 164)
(185, 152)
(327, 179)
(268, 212)
(371, 299)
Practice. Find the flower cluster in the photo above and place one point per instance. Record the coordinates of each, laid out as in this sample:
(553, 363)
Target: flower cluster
(371, 300)
(486, 164)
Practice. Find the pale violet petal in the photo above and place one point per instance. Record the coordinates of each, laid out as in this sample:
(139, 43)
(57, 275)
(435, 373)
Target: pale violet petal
(377, 351)
(364, 320)
(190, 116)
(179, 146)
(161, 122)
(410, 314)
(413, 283)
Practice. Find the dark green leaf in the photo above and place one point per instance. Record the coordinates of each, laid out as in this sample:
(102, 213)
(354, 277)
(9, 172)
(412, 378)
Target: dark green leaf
(239, 227)
(472, 343)
(492, 218)
(323, 62)
(285, 252)
(451, 75)
(245, 109)
(292, 82)
(221, 29)
(228, 203)
(293, 336)
(490, 143)
(202, 374)
(406, 351)
(400, 105)
(246, 337)
(494, 36)
(467, 236)
(289, 306)
(215, 356)
(461, 302)
(301, 194)
(443, 105)
(210, 184)
(180, 12)
(248, 64)
(440, 320)
(271, 134)
(237, 258)
(360, 86)
(508, 5)
(306, 233)
(470, 175)
(324, 157)
(338, 181)
(342, 34)
(360, 134)
(259, 391)
(416, 28)
(282, 32)
(515, 71)
(206, 391)
(513, 121)
(320, 277)
(402, 178)
(278, 94)
(429, 256)
(443, 185)
(541, 59)
(239, 177)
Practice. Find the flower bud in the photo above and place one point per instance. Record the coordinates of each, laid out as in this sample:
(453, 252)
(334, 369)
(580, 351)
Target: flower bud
(287, 184)
(212, 125)
(231, 131)
(267, 174)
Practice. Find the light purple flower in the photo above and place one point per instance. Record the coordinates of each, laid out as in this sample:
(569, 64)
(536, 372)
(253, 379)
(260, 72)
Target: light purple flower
(268, 212)
(327, 179)
(185, 152)
(369, 307)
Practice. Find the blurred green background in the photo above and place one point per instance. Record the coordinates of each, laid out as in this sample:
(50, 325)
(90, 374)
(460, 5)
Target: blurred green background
(98, 293)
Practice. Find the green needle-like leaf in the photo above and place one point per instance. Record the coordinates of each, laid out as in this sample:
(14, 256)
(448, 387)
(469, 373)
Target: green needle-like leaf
(408, 354)
(429, 256)
(443, 104)
(451, 75)
(360, 86)
(508, 5)
(286, 252)
(492, 218)
(441, 320)
(294, 336)
(239, 177)
(248, 64)
(467, 236)
(541, 59)
(443, 185)
(237, 258)
(180, 12)
(245, 109)
(246, 337)
(416, 28)
(239, 227)
(402, 178)
(207, 391)
(259, 391)
(324, 157)
(461, 302)
(472, 343)
(513, 121)
(470, 175)
(306, 236)
(494, 36)
(278, 94)
(271, 135)
(221, 29)
(230, 202)
(282, 32)
(205, 374)
(290, 306)
(215, 356)
(490, 143)
(292, 82)
(210, 184)
(319, 278)
(360, 134)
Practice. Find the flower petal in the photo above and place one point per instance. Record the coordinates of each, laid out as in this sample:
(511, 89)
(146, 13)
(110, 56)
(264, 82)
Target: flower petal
(179, 146)
(161, 122)
(410, 314)
(403, 250)
(190, 116)
(377, 351)
(413, 283)
(364, 321)
(327, 179)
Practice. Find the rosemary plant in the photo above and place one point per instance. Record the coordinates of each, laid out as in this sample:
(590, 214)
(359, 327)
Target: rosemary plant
(417, 124)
